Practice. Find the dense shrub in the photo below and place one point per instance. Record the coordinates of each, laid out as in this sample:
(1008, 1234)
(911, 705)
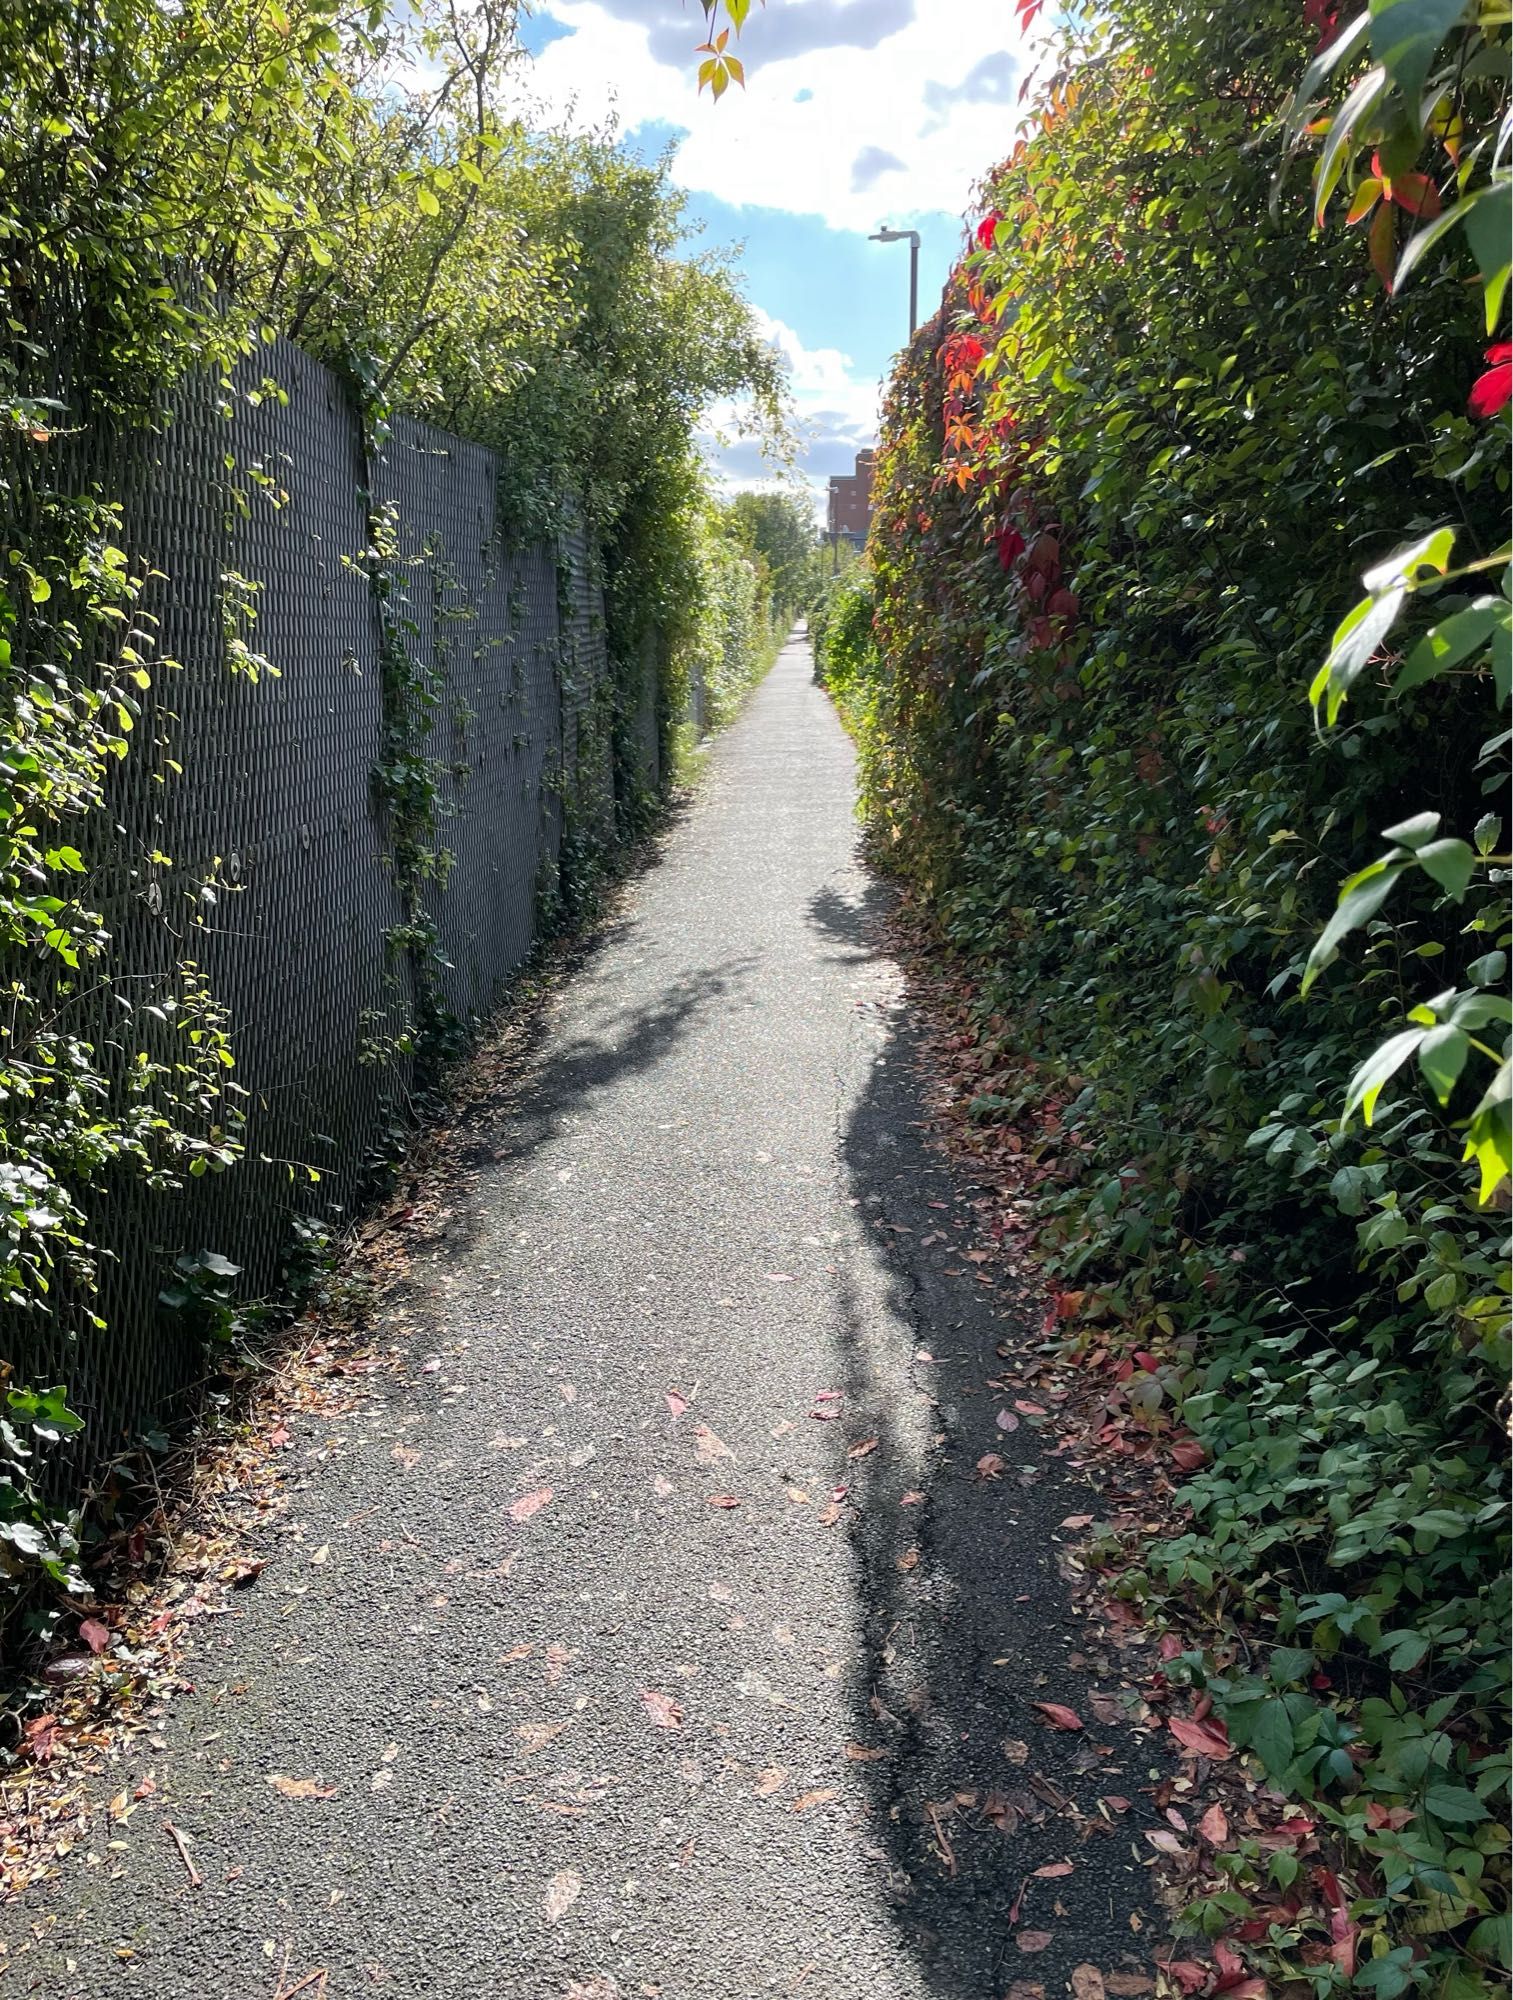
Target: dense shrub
(1131, 476)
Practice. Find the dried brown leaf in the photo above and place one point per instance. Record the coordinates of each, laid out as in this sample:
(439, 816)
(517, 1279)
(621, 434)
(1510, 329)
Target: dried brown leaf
(663, 1710)
(301, 1788)
(562, 1892)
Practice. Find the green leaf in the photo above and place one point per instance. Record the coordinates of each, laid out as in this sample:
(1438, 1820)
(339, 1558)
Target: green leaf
(1359, 902)
(1488, 226)
(1289, 1663)
(1441, 1057)
(1493, 1938)
(426, 202)
(1406, 35)
(1340, 144)
(1489, 1133)
(1449, 642)
(1455, 1803)
(1345, 46)
(1408, 1651)
(1377, 1071)
(1451, 863)
(1356, 639)
(1272, 1738)
(1402, 567)
(1415, 832)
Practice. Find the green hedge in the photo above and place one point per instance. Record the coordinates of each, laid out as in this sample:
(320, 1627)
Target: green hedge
(1131, 477)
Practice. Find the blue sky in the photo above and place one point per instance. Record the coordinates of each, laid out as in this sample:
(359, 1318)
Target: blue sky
(856, 112)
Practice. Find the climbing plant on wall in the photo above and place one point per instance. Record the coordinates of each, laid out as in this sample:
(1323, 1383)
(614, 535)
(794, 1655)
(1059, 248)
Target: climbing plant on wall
(175, 184)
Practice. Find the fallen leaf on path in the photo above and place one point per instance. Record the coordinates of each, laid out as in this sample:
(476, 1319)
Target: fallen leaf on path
(862, 1450)
(1015, 1751)
(1206, 1739)
(821, 1796)
(780, 1277)
(909, 1559)
(322, 1554)
(1032, 1940)
(520, 1652)
(301, 1788)
(530, 1503)
(860, 1754)
(989, 1466)
(1025, 1989)
(1106, 1708)
(1006, 1420)
(1128, 1984)
(561, 1893)
(1053, 1870)
(723, 1500)
(1087, 1983)
(94, 1634)
(771, 1780)
(1214, 1826)
(1078, 1521)
(600, 1987)
(1027, 1409)
(1168, 1843)
(676, 1401)
(912, 1498)
(708, 1448)
(1189, 1975)
(1058, 1715)
(662, 1487)
(534, 1736)
(830, 1514)
(662, 1709)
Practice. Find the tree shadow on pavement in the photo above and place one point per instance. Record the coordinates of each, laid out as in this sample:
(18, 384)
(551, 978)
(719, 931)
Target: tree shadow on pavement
(967, 1617)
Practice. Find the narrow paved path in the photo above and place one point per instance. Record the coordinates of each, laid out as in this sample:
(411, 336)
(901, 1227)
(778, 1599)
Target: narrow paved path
(713, 1184)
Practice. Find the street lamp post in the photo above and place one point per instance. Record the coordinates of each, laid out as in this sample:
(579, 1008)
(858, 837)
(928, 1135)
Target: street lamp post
(911, 237)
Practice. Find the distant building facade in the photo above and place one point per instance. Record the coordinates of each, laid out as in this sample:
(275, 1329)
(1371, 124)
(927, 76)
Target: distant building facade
(851, 501)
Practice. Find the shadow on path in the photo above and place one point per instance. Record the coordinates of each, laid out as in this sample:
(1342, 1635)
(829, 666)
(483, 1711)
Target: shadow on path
(968, 1618)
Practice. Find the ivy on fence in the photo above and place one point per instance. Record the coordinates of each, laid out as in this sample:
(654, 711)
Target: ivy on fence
(176, 185)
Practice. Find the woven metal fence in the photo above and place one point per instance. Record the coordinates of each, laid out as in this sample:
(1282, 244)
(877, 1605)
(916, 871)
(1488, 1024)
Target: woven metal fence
(274, 872)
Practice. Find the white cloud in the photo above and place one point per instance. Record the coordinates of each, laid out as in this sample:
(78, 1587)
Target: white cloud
(928, 94)
(836, 414)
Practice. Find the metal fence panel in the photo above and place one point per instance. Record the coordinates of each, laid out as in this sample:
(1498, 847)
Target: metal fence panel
(278, 882)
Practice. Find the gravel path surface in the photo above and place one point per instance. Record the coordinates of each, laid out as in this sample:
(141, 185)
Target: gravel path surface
(714, 1183)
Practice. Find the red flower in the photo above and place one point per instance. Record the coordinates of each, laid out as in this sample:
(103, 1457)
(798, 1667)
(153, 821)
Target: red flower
(1027, 10)
(986, 227)
(1491, 391)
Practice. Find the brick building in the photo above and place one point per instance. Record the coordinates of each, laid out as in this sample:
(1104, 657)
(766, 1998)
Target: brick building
(851, 501)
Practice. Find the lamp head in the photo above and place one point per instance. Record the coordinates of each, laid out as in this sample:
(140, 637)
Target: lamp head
(887, 235)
